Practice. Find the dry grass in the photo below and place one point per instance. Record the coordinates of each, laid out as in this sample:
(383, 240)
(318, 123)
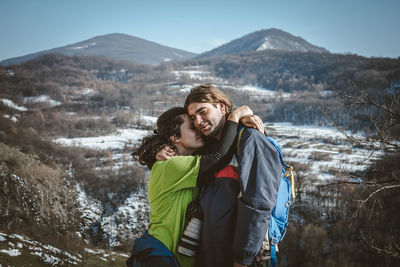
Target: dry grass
(319, 156)
(24, 165)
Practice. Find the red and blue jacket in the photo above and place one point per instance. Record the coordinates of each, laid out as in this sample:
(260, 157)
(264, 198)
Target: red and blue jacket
(234, 227)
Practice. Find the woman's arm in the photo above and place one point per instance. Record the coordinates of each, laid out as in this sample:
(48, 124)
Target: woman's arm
(250, 121)
(253, 121)
(208, 161)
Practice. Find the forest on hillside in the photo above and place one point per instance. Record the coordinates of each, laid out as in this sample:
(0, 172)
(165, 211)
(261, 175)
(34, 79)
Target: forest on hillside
(300, 71)
(316, 80)
(349, 222)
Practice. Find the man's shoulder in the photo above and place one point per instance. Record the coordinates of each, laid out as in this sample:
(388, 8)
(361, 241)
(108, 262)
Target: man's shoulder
(253, 133)
(253, 138)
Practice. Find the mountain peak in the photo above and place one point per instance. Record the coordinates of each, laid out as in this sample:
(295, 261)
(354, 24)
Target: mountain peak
(115, 46)
(273, 39)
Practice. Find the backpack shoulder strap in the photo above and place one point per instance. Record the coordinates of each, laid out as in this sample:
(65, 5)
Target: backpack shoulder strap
(240, 132)
(288, 174)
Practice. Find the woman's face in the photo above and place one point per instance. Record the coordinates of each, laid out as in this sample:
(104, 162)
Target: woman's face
(190, 137)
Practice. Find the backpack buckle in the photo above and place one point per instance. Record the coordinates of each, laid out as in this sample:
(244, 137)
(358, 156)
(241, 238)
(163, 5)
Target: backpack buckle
(274, 241)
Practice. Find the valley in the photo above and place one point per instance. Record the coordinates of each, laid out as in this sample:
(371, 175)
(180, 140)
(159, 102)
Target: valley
(72, 195)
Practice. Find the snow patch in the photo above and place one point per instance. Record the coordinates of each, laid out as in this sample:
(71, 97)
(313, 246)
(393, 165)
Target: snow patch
(324, 149)
(90, 208)
(87, 91)
(11, 252)
(42, 99)
(12, 118)
(47, 253)
(326, 93)
(185, 88)
(134, 215)
(259, 91)
(11, 104)
(10, 73)
(83, 46)
(115, 141)
(199, 73)
(178, 55)
(150, 119)
(266, 45)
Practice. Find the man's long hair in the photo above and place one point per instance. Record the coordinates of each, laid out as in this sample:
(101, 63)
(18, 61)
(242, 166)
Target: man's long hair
(207, 93)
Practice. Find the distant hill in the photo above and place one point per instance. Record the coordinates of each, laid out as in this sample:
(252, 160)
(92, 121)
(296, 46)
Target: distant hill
(272, 39)
(114, 46)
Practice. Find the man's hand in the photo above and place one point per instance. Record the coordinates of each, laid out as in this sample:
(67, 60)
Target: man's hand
(166, 153)
(253, 121)
(238, 265)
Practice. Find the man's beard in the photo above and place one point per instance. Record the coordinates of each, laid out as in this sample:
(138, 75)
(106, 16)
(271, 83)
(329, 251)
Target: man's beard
(218, 129)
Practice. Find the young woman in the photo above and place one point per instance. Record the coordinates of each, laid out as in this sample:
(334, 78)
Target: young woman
(172, 183)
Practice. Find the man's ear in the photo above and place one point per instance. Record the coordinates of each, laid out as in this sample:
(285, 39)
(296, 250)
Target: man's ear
(222, 108)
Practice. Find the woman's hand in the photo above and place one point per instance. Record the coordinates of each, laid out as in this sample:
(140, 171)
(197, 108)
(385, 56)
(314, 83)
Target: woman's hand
(239, 113)
(166, 153)
(247, 118)
(253, 121)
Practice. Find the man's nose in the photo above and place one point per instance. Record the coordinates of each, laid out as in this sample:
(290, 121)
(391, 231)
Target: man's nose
(198, 120)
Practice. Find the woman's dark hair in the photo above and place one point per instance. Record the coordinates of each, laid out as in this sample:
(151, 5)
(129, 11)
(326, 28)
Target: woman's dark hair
(168, 124)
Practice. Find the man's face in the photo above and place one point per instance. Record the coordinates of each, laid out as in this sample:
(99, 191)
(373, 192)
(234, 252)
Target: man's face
(208, 118)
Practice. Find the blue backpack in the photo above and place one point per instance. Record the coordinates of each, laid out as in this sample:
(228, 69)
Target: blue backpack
(280, 213)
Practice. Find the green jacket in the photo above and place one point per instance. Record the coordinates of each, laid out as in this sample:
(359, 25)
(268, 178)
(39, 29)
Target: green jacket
(172, 186)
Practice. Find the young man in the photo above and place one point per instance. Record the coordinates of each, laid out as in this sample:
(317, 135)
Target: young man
(236, 202)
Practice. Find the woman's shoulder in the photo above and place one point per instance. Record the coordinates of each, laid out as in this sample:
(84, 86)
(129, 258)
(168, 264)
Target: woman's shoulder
(177, 162)
(174, 169)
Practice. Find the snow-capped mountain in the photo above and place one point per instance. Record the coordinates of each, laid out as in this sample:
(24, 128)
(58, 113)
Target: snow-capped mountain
(114, 46)
(273, 39)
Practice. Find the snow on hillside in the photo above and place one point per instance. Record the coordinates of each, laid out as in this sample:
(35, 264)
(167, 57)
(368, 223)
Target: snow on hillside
(129, 220)
(16, 248)
(195, 72)
(199, 73)
(325, 149)
(42, 99)
(259, 91)
(11, 104)
(114, 141)
(85, 91)
(12, 118)
(266, 45)
(83, 46)
(91, 210)
(151, 120)
(50, 255)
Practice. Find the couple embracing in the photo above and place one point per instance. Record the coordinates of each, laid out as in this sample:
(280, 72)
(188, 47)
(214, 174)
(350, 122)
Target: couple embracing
(192, 158)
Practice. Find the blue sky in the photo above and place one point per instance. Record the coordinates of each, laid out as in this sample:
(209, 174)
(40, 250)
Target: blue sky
(364, 27)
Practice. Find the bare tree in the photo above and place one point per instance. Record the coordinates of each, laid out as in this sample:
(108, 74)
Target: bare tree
(378, 190)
